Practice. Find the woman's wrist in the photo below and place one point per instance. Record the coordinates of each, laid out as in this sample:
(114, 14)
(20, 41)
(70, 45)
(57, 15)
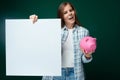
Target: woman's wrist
(88, 56)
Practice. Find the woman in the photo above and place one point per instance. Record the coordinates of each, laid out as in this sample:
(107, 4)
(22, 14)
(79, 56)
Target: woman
(73, 56)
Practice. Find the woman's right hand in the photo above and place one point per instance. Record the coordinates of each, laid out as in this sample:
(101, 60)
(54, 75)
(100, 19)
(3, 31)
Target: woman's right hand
(34, 18)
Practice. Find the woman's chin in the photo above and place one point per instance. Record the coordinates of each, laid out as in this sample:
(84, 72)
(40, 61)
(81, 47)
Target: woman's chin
(72, 22)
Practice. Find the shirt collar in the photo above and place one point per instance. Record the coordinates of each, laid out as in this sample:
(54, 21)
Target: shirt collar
(74, 29)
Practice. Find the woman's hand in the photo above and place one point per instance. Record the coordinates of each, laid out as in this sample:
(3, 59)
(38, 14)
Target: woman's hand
(34, 18)
(87, 55)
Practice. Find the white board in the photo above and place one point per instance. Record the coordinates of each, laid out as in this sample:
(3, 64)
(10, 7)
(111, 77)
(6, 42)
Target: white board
(33, 49)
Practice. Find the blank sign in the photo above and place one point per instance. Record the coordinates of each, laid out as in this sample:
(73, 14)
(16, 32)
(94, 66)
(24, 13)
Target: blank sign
(33, 49)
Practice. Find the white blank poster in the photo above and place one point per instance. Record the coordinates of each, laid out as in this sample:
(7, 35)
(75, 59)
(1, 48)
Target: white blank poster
(33, 49)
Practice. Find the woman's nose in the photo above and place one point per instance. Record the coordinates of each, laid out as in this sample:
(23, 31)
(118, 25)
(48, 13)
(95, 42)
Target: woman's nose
(70, 13)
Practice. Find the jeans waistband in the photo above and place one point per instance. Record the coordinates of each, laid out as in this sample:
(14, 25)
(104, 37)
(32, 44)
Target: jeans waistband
(68, 71)
(68, 68)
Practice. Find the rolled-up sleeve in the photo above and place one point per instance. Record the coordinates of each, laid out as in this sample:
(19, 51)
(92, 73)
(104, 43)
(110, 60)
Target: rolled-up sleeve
(85, 60)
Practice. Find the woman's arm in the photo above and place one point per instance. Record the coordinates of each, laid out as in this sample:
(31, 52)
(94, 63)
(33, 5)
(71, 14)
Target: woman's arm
(86, 57)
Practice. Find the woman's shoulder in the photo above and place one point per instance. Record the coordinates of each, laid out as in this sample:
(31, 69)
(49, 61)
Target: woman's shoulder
(81, 28)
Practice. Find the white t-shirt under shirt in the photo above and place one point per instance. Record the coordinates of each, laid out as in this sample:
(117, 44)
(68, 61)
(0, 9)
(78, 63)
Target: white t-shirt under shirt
(68, 51)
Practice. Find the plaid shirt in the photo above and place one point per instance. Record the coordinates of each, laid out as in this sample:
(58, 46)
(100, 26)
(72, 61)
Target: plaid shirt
(79, 58)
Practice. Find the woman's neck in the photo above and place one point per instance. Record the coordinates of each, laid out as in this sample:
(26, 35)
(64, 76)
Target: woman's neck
(69, 26)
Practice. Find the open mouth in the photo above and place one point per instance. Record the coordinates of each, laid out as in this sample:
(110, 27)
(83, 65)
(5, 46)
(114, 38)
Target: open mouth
(70, 17)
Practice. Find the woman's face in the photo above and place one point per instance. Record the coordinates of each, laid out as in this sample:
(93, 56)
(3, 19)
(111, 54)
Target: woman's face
(68, 15)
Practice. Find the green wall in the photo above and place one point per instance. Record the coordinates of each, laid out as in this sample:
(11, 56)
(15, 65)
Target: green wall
(101, 17)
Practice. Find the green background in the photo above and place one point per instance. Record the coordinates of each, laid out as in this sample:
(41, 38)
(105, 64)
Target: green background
(100, 17)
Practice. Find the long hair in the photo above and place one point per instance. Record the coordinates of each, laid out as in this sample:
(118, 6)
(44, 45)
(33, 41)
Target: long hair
(60, 13)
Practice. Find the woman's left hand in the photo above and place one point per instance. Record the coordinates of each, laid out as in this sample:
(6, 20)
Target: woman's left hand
(87, 55)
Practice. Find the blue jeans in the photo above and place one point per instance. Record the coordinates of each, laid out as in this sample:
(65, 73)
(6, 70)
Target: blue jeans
(67, 74)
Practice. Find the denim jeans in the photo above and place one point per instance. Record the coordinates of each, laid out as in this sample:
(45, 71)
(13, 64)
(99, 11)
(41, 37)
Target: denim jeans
(67, 74)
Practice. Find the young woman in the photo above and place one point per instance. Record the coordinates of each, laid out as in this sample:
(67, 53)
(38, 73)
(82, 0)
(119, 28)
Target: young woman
(73, 56)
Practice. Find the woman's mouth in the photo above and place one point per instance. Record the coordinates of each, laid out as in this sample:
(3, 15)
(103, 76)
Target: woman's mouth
(70, 17)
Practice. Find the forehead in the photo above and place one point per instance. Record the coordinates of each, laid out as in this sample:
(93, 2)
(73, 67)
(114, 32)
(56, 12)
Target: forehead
(67, 7)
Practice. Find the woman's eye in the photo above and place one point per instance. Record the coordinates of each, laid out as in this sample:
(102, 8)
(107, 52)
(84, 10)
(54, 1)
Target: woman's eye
(65, 12)
(70, 10)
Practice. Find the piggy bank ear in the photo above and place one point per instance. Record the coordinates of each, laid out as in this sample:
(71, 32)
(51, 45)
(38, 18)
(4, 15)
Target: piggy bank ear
(87, 39)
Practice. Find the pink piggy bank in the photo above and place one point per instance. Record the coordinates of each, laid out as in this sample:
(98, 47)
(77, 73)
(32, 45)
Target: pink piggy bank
(88, 43)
